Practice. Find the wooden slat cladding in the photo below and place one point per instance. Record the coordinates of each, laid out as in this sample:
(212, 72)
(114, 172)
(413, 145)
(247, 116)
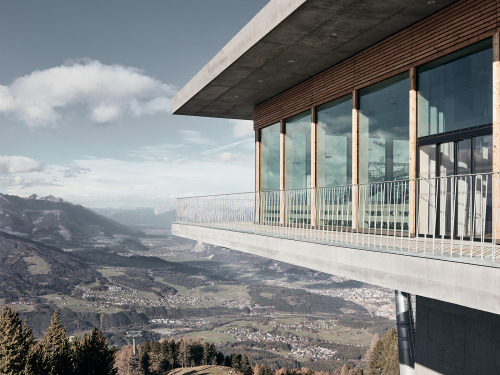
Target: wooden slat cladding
(454, 27)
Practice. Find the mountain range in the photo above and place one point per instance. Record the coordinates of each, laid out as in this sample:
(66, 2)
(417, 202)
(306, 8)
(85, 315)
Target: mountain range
(53, 221)
(142, 218)
(30, 269)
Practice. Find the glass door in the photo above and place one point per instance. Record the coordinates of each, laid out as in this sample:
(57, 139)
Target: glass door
(445, 202)
(455, 190)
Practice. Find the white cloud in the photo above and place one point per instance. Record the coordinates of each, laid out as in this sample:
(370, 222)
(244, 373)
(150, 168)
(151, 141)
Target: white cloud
(242, 128)
(225, 147)
(117, 183)
(227, 157)
(74, 170)
(106, 91)
(19, 182)
(195, 137)
(19, 164)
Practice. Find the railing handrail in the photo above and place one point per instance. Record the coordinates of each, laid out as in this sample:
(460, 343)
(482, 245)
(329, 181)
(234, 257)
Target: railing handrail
(453, 215)
(336, 186)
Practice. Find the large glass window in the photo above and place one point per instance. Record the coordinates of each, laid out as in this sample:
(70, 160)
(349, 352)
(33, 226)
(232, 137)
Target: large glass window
(270, 157)
(298, 151)
(384, 131)
(455, 92)
(334, 143)
(459, 201)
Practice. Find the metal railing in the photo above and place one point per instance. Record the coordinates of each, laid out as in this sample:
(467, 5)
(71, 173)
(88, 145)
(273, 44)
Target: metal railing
(452, 216)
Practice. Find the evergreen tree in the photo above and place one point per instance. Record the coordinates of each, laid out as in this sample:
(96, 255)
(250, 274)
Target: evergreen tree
(34, 364)
(212, 355)
(236, 361)
(56, 355)
(206, 348)
(156, 361)
(384, 357)
(15, 343)
(220, 359)
(245, 367)
(144, 357)
(92, 356)
(171, 354)
(196, 353)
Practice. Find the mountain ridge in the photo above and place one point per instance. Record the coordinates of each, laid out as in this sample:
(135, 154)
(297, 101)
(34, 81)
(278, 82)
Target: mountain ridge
(31, 269)
(59, 223)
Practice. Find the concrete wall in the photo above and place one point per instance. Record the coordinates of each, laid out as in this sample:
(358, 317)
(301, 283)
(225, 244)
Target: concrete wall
(470, 285)
(453, 339)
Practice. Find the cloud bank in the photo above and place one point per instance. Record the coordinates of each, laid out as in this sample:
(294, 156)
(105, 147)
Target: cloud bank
(107, 92)
(19, 164)
(242, 128)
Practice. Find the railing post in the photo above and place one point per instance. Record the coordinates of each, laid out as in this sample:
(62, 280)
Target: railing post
(355, 144)
(413, 152)
(496, 135)
(314, 158)
(282, 171)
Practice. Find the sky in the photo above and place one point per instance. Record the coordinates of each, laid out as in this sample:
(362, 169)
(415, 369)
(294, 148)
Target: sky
(85, 101)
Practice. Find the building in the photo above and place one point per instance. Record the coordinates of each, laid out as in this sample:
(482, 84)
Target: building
(377, 158)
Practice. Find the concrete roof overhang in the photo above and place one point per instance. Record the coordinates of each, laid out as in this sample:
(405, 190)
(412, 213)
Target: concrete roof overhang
(287, 42)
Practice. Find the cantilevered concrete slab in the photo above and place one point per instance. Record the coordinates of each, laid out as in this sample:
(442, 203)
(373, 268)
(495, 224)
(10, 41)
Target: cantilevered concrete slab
(471, 285)
(287, 42)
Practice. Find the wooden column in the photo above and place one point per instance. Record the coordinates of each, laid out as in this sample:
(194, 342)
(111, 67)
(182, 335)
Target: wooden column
(412, 168)
(355, 158)
(257, 176)
(282, 170)
(314, 158)
(496, 135)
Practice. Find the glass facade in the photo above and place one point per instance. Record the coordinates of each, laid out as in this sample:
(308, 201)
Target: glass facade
(384, 131)
(270, 157)
(464, 199)
(453, 198)
(298, 151)
(455, 92)
(334, 143)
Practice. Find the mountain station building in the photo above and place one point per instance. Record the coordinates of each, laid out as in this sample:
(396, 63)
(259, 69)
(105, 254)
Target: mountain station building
(377, 158)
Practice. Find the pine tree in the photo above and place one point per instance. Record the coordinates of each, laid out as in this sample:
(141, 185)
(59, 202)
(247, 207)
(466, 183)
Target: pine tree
(212, 355)
(196, 353)
(206, 348)
(384, 357)
(144, 357)
(56, 354)
(171, 354)
(220, 359)
(15, 343)
(245, 367)
(236, 361)
(92, 356)
(34, 364)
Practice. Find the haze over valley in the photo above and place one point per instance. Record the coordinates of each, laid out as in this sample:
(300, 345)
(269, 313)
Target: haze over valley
(126, 272)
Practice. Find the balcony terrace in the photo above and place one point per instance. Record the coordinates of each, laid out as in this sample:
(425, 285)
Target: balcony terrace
(441, 233)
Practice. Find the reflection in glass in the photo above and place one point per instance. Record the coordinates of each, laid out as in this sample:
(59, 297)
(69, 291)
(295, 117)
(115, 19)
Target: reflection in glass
(270, 158)
(455, 92)
(446, 168)
(483, 163)
(298, 152)
(334, 143)
(426, 190)
(483, 154)
(384, 131)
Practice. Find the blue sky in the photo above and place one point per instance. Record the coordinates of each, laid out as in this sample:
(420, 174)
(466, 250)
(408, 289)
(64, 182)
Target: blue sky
(85, 95)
